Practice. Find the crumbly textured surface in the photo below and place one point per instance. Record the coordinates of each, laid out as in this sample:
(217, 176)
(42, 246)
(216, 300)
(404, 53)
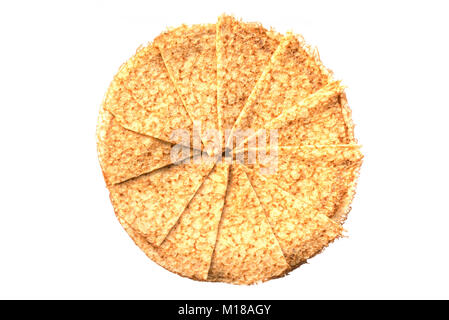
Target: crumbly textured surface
(189, 53)
(153, 203)
(302, 231)
(189, 246)
(319, 119)
(187, 249)
(258, 211)
(143, 98)
(125, 154)
(246, 251)
(322, 177)
(243, 51)
(294, 72)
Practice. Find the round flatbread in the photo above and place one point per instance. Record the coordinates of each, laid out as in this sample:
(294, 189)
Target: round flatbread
(239, 213)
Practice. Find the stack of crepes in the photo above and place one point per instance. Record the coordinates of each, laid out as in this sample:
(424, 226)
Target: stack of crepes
(244, 210)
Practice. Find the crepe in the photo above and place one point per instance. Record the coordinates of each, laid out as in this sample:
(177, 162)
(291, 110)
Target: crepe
(243, 51)
(189, 54)
(302, 231)
(143, 99)
(152, 204)
(246, 250)
(324, 177)
(125, 154)
(294, 72)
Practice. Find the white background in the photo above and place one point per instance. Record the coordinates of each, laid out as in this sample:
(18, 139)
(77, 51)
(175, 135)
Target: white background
(58, 234)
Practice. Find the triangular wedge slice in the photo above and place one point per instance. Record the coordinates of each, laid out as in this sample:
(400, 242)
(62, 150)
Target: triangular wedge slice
(301, 230)
(188, 248)
(243, 51)
(246, 251)
(189, 53)
(153, 203)
(125, 154)
(294, 72)
(143, 98)
(320, 119)
(324, 177)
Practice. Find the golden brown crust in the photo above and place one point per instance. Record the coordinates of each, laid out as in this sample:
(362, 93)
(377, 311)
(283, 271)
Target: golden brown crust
(143, 99)
(125, 154)
(324, 177)
(294, 72)
(187, 249)
(219, 221)
(322, 118)
(243, 51)
(302, 231)
(319, 119)
(189, 53)
(347, 116)
(246, 251)
(189, 246)
(152, 204)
